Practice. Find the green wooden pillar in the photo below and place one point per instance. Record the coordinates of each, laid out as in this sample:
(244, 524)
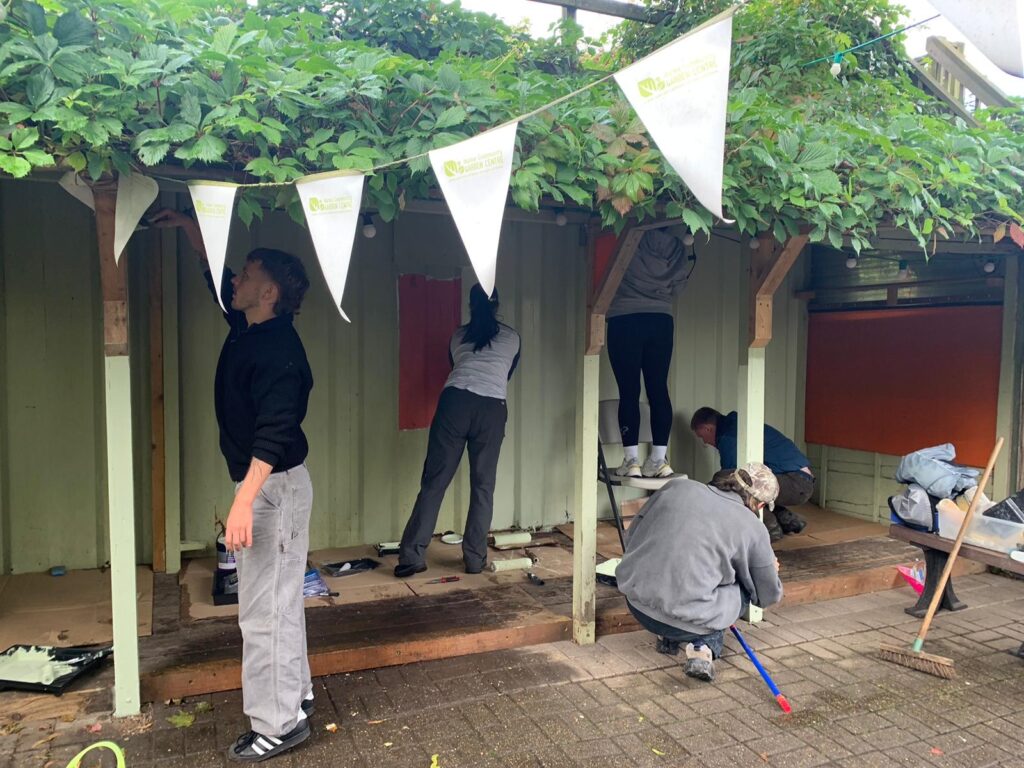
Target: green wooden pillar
(120, 469)
(584, 540)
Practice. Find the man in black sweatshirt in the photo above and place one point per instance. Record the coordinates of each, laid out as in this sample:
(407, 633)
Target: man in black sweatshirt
(261, 393)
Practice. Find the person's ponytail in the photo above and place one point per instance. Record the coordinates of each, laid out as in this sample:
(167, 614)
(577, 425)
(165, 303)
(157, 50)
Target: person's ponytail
(483, 320)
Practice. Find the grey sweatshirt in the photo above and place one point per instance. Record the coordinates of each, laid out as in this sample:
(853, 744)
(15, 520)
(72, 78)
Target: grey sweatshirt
(688, 553)
(656, 274)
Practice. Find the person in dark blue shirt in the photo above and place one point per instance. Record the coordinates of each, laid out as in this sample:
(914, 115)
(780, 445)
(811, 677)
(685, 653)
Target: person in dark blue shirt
(786, 461)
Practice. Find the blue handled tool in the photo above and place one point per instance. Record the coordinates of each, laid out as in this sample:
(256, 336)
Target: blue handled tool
(764, 673)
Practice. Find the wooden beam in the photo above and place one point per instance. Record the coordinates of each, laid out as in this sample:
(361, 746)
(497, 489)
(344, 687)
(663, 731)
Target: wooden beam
(120, 465)
(1004, 479)
(602, 299)
(617, 8)
(950, 59)
(171, 393)
(990, 282)
(154, 266)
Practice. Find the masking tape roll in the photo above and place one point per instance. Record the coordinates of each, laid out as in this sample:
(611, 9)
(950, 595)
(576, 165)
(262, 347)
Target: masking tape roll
(516, 564)
(517, 538)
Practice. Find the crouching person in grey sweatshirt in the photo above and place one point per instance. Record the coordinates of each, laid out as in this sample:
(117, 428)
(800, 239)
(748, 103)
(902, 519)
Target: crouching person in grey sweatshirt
(695, 556)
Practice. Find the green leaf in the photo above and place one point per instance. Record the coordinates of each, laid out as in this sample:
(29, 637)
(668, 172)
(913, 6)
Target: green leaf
(72, 28)
(789, 144)
(22, 138)
(76, 160)
(14, 166)
(817, 156)
(207, 148)
(191, 112)
(15, 112)
(39, 88)
(694, 221)
(223, 38)
(151, 154)
(825, 182)
(182, 719)
(451, 117)
(33, 15)
(38, 157)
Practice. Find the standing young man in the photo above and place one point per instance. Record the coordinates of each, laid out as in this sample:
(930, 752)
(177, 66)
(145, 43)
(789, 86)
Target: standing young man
(260, 393)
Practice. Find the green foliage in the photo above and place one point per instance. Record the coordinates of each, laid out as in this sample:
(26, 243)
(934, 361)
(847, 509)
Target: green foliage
(287, 88)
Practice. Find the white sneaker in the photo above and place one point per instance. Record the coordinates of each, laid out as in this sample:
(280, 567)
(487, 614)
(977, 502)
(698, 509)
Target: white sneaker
(654, 468)
(629, 468)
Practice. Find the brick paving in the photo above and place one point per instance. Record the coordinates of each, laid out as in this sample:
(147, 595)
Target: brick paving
(621, 704)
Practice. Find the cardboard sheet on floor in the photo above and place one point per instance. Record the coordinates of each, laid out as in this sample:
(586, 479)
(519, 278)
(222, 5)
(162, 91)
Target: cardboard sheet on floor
(74, 609)
(827, 527)
(608, 544)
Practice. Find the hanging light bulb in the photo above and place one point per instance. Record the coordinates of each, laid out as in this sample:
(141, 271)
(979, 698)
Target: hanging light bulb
(561, 219)
(989, 266)
(837, 65)
(754, 243)
(369, 230)
(904, 270)
(688, 239)
(851, 262)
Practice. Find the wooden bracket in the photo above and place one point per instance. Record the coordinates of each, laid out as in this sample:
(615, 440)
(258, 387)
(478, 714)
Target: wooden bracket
(112, 275)
(769, 266)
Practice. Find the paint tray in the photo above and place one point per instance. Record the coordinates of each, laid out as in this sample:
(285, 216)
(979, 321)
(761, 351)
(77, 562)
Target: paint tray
(81, 660)
(348, 567)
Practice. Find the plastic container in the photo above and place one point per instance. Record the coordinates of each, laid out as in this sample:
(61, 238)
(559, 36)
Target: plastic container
(225, 559)
(988, 532)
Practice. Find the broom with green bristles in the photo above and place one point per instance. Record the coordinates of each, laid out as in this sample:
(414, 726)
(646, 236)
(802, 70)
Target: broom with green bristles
(915, 658)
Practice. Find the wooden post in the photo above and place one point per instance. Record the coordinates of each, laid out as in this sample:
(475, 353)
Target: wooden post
(171, 395)
(120, 470)
(1003, 481)
(154, 267)
(584, 538)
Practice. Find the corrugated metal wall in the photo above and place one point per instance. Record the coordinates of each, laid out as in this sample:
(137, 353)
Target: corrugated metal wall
(366, 472)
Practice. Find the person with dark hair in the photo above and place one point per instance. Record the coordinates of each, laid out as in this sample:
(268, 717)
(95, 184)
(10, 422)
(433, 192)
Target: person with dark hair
(791, 467)
(695, 556)
(261, 392)
(640, 340)
(471, 412)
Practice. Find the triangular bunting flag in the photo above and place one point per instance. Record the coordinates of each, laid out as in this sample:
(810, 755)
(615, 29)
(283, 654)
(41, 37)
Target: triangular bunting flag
(135, 193)
(474, 176)
(72, 183)
(680, 92)
(214, 202)
(331, 202)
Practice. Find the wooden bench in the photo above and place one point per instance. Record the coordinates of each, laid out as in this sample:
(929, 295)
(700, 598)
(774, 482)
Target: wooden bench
(936, 552)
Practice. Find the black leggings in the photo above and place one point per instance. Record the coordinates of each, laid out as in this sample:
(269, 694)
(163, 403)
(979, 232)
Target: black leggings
(642, 342)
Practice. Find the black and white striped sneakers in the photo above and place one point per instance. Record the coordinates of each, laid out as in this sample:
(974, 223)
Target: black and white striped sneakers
(254, 747)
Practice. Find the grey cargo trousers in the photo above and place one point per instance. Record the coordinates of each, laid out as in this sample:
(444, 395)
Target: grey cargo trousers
(271, 615)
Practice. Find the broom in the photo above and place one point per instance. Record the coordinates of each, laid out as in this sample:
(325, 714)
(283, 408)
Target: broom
(915, 658)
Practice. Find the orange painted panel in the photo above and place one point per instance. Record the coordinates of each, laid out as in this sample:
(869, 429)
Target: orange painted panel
(896, 380)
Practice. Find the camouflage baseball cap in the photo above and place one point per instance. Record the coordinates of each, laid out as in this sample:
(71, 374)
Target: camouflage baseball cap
(764, 486)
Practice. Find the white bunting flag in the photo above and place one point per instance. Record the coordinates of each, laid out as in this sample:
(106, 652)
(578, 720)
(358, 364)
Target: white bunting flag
(331, 202)
(135, 193)
(474, 176)
(680, 92)
(214, 202)
(995, 26)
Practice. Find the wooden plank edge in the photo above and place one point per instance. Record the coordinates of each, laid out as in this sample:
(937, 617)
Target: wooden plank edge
(223, 675)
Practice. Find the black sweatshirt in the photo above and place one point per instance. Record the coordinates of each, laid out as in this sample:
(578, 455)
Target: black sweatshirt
(261, 391)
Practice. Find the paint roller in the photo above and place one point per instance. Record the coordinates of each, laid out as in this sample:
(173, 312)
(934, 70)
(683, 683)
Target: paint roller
(512, 539)
(515, 564)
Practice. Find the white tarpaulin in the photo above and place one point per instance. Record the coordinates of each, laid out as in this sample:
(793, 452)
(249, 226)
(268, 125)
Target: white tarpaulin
(680, 93)
(331, 202)
(474, 176)
(995, 26)
(214, 202)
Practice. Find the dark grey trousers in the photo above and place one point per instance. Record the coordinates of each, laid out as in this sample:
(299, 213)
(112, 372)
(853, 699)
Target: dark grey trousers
(462, 420)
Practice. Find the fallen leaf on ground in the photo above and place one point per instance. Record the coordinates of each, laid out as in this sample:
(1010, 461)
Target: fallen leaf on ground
(203, 706)
(67, 718)
(331, 727)
(658, 752)
(433, 761)
(45, 740)
(94, 728)
(182, 720)
(764, 756)
(388, 743)
(937, 751)
(374, 722)
(640, 719)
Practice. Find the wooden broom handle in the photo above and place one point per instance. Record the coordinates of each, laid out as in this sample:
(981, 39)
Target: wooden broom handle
(941, 586)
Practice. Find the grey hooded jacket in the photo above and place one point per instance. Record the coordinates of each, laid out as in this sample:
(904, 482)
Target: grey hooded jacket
(656, 274)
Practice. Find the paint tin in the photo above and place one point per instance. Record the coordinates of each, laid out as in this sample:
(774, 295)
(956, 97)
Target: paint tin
(225, 559)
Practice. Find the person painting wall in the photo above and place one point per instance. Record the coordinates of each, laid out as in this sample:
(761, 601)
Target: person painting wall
(261, 393)
(791, 467)
(727, 562)
(471, 414)
(640, 340)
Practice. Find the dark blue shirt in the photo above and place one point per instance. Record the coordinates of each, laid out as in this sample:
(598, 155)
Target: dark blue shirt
(780, 454)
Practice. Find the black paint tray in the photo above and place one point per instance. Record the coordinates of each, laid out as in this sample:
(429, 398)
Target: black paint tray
(88, 657)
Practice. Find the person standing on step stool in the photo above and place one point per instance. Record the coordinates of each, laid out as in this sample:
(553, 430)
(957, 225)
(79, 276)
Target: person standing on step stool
(261, 392)
(471, 412)
(727, 562)
(640, 340)
(792, 469)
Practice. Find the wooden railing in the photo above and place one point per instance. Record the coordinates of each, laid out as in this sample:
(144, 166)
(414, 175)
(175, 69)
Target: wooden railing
(946, 72)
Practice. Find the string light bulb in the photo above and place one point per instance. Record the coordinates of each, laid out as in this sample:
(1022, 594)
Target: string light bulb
(369, 229)
(904, 271)
(561, 219)
(688, 239)
(989, 266)
(837, 65)
(851, 262)
(754, 243)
